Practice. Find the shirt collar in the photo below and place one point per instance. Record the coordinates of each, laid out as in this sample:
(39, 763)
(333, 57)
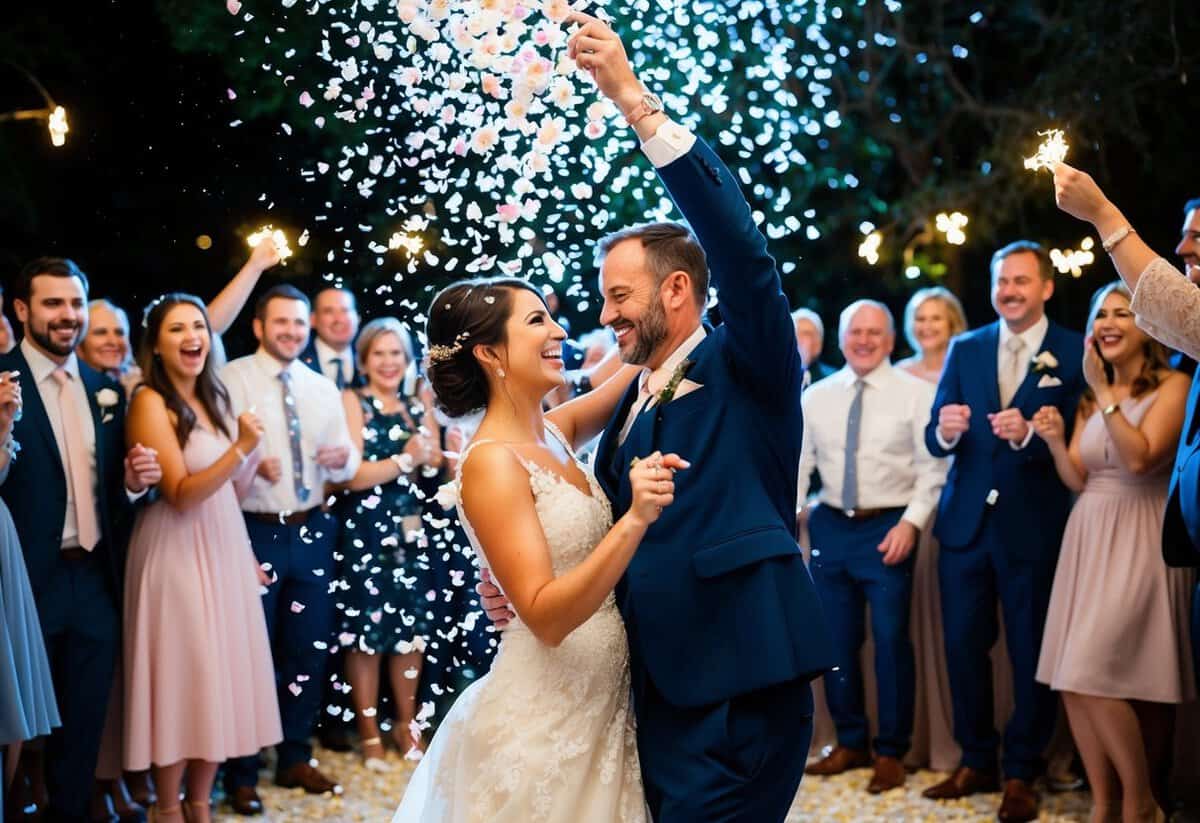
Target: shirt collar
(42, 366)
(1032, 336)
(270, 366)
(325, 352)
(873, 378)
(676, 357)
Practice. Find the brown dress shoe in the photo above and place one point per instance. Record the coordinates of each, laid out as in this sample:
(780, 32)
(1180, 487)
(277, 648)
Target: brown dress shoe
(839, 760)
(1020, 802)
(963, 782)
(889, 774)
(245, 801)
(304, 776)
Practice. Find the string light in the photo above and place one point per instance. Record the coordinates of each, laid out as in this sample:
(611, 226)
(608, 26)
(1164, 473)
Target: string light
(58, 126)
(1050, 153)
(1073, 261)
(276, 235)
(952, 226)
(869, 248)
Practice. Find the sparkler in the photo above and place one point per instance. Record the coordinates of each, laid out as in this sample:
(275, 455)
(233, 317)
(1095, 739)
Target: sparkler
(277, 236)
(1050, 153)
(58, 126)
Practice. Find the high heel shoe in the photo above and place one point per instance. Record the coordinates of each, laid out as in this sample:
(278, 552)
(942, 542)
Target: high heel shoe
(371, 763)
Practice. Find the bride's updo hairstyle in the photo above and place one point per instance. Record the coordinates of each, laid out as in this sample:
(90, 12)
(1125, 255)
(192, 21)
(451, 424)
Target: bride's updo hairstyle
(464, 315)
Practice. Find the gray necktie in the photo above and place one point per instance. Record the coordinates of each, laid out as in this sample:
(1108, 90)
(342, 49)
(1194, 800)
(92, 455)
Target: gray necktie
(1010, 379)
(340, 375)
(293, 424)
(853, 429)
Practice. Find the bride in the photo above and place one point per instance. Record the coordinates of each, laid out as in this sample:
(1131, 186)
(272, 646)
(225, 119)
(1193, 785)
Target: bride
(549, 733)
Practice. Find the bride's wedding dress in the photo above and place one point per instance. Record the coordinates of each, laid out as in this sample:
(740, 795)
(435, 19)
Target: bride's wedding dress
(548, 734)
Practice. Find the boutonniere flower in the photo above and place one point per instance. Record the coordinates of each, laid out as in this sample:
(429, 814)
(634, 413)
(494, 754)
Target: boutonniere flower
(1044, 362)
(668, 391)
(107, 399)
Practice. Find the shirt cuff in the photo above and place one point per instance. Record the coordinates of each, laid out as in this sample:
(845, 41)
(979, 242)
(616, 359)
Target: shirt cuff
(1019, 446)
(136, 496)
(918, 513)
(944, 443)
(671, 142)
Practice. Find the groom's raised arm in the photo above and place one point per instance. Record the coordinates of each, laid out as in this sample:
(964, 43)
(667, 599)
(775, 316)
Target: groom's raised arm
(753, 306)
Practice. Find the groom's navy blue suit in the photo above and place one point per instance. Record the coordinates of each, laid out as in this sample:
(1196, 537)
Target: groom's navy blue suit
(78, 599)
(725, 628)
(1000, 524)
(1181, 524)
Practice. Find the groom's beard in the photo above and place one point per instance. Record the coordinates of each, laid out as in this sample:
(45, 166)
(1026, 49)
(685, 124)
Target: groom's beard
(42, 337)
(650, 329)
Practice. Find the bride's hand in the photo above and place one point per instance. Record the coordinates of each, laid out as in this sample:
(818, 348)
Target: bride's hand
(653, 482)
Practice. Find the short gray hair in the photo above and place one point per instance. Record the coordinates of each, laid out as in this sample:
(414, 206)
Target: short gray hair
(812, 317)
(103, 303)
(853, 309)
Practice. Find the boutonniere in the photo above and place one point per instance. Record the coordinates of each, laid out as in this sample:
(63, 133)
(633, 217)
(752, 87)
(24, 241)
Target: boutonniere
(668, 391)
(1044, 362)
(107, 399)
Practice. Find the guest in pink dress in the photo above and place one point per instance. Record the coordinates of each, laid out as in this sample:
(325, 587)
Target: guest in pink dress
(1116, 638)
(199, 680)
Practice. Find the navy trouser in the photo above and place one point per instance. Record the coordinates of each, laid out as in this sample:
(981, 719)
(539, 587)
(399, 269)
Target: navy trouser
(82, 628)
(849, 573)
(299, 610)
(971, 580)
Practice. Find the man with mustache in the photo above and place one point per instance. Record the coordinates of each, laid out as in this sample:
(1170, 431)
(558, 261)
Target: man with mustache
(306, 444)
(64, 491)
(1000, 520)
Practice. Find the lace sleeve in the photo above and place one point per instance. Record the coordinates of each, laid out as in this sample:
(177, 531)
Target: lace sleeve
(1167, 306)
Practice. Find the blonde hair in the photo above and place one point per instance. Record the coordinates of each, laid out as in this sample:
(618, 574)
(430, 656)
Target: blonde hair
(957, 317)
(375, 329)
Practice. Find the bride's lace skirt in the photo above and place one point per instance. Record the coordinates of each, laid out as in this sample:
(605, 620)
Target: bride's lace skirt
(547, 735)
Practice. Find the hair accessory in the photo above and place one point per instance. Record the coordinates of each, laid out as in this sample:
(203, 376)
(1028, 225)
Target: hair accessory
(440, 354)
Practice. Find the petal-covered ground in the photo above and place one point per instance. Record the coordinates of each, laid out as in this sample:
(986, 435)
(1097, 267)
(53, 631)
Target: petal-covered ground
(373, 797)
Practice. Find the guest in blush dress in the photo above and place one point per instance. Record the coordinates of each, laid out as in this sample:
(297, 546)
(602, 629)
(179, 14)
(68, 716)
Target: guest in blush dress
(199, 679)
(1116, 642)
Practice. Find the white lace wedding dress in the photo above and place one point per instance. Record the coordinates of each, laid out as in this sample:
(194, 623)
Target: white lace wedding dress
(548, 734)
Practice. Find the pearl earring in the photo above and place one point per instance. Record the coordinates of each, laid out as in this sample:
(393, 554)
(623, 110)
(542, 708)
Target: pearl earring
(500, 373)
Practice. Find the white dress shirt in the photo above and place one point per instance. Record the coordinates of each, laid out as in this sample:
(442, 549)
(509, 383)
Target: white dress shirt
(895, 469)
(326, 357)
(650, 383)
(1032, 337)
(41, 368)
(254, 383)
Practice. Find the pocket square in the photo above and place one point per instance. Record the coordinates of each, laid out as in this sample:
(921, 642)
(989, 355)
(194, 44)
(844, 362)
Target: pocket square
(1048, 381)
(686, 387)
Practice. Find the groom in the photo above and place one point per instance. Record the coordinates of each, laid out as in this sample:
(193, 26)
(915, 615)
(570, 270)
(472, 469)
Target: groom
(725, 630)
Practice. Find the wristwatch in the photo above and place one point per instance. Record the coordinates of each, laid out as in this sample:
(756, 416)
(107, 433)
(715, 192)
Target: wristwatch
(650, 104)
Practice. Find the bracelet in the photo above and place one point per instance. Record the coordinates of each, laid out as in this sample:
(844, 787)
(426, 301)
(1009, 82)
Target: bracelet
(1110, 410)
(1109, 243)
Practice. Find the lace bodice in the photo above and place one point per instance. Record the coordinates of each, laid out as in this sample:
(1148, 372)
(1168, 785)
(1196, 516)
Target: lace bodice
(548, 735)
(1167, 306)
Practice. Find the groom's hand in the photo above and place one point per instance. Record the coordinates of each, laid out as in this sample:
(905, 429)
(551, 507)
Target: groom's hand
(598, 50)
(495, 604)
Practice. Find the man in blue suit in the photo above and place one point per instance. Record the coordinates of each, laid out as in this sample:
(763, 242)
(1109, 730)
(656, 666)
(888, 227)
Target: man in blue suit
(725, 628)
(1000, 520)
(330, 350)
(70, 492)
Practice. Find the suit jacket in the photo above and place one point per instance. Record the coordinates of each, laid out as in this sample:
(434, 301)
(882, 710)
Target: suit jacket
(36, 488)
(717, 600)
(309, 358)
(1181, 523)
(1031, 504)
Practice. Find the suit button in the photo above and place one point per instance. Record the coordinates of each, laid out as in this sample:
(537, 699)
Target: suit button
(992, 497)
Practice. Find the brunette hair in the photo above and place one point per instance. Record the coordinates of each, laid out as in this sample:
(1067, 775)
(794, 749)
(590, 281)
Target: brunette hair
(282, 291)
(209, 390)
(1045, 268)
(669, 247)
(1155, 362)
(466, 314)
(52, 266)
(376, 329)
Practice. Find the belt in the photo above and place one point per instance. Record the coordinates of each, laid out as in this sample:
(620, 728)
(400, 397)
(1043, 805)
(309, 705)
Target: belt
(866, 514)
(74, 554)
(283, 518)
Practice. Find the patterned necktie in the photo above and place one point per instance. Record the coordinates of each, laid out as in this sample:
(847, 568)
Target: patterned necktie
(78, 467)
(853, 429)
(293, 424)
(1010, 381)
(340, 376)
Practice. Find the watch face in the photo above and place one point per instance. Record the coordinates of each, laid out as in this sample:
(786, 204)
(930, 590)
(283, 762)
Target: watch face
(652, 102)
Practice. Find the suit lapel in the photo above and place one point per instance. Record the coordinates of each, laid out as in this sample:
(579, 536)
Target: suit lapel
(34, 414)
(989, 368)
(607, 472)
(1032, 378)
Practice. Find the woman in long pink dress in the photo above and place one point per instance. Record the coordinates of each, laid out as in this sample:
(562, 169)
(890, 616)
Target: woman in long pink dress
(199, 681)
(1116, 640)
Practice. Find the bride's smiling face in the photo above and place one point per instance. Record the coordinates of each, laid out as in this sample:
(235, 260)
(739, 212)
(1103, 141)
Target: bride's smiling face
(532, 356)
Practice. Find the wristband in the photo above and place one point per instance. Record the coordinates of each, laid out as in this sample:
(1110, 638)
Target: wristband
(1109, 243)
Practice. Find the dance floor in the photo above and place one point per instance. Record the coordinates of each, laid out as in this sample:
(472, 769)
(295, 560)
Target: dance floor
(372, 797)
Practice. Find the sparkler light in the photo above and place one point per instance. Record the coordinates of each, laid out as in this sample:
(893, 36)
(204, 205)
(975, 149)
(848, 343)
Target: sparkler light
(276, 235)
(1050, 153)
(412, 242)
(58, 126)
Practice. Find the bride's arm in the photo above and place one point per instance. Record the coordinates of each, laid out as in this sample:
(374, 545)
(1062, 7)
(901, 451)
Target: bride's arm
(584, 417)
(500, 507)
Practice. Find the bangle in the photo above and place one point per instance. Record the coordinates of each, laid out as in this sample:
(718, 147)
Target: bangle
(241, 454)
(1109, 243)
(1110, 410)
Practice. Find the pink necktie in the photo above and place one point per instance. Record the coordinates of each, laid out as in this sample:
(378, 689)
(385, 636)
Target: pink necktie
(78, 470)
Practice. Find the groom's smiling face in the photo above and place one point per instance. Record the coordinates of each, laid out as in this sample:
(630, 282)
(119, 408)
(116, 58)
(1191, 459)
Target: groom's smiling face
(633, 306)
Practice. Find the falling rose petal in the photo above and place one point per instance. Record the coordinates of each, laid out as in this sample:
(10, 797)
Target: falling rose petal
(306, 99)
(297, 607)
(295, 689)
(233, 6)
(231, 94)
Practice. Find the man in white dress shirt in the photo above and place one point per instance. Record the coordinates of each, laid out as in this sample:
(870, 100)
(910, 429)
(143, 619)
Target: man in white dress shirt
(306, 444)
(864, 433)
(335, 325)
